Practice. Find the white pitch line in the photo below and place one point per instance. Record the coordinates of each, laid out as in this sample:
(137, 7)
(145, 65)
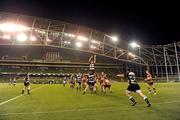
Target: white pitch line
(80, 110)
(14, 98)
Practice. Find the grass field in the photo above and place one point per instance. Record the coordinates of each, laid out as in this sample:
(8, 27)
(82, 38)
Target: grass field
(55, 102)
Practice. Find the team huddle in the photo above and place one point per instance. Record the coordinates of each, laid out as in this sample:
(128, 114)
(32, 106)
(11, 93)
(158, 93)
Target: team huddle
(90, 81)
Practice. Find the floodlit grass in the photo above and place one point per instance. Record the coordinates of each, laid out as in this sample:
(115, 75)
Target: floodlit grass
(55, 102)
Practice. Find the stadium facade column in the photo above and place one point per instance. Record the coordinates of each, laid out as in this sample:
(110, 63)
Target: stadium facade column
(157, 73)
(104, 44)
(140, 67)
(62, 36)
(165, 60)
(177, 60)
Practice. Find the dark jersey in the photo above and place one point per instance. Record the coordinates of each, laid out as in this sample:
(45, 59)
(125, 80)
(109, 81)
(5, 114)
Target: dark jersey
(26, 81)
(91, 78)
(131, 78)
(79, 78)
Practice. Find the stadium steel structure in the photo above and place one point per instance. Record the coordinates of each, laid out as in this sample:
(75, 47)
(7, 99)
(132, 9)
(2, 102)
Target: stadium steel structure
(163, 60)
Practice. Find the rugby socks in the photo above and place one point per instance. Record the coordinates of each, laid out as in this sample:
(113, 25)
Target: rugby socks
(28, 91)
(131, 99)
(147, 101)
(23, 91)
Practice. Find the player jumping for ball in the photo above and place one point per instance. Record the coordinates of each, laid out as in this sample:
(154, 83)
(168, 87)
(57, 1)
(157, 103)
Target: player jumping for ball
(134, 87)
(92, 61)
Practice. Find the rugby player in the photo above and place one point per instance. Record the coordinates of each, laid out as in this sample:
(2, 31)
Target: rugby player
(84, 81)
(64, 81)
(79, 80)
(150, 83)
(92, 61)
(90, 83)
(106, 84)
(14, 81)
(26, 84)
(72, 81)
(101, 80)
(134, 87)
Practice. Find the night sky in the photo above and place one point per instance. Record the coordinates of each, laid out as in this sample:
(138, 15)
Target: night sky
(146, 22)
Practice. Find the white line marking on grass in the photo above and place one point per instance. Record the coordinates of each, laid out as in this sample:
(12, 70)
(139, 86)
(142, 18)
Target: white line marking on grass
(80, 110)
(14, 98)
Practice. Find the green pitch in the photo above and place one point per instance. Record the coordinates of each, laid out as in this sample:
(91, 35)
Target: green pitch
(55, 102)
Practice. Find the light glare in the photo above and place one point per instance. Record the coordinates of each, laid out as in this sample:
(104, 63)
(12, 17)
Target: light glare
(134, 45)
(11, 27)
(21, 37)
(32, 38)
(78, 44)
(82, 38)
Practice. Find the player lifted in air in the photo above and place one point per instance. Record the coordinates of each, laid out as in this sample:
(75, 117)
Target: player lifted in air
(79, 81)
(90, 83)
(149, 81)
(26, 84)
(134, 87)
(92, 61)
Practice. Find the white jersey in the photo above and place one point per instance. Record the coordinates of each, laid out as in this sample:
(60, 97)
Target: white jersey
(131, 78)
(91, 66)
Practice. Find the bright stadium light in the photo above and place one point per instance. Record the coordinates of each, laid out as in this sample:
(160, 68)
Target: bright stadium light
(69, 35)
(6, 37)
(11, 27)
(114, 38)
(82, 38)
(79, 44)
(48, 40)
(130, 54)
(93, 47)
(21, 37)
(134, 45)
(67, 42)
(95, 42)
(33, 38)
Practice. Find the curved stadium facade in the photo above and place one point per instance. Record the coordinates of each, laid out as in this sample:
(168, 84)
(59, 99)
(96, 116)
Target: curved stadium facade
(38, 45)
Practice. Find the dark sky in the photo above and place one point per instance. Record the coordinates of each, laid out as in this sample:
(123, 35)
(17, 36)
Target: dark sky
(146, 22)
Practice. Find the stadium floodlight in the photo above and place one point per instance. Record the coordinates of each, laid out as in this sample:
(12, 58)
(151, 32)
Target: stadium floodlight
(33, 38)
(93, 47)
(134, 44)
(67, 42)
(114, 38)
(48, 40)
(21, 37)
(130, 54)
(11, 27)
(82, 38)
(95, 42)
(6, 37)
(69, 35)
(79, 44)
(40, 31)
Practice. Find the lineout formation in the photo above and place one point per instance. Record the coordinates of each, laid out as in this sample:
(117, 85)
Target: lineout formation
(83, 82)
